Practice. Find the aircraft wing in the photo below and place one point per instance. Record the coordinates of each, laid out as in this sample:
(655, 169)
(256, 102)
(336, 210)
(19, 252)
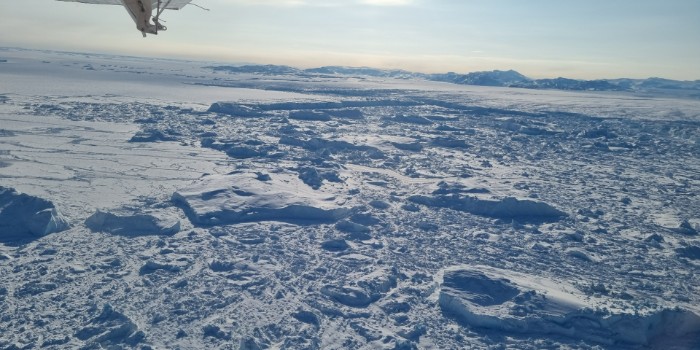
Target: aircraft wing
(171, 5)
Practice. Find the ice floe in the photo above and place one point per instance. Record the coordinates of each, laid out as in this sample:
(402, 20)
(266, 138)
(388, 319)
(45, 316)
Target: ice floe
(24, 217)
(245, 197)
(134, 224)
(505, 208)
(503, 300)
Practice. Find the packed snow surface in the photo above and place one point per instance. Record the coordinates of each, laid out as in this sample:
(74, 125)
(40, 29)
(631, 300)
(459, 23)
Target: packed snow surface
(165, 204)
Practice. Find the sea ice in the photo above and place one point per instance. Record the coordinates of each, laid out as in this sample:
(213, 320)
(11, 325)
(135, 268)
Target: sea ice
(506, 208)
(133, 224)
(244, 197)
(112, 330)
(504, 300)
(24, 217)
(319, 224)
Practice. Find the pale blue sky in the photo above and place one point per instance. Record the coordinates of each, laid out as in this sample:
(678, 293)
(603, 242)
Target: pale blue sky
(540, 38)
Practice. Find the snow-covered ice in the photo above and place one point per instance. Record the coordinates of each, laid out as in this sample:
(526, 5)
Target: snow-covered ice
(168, 204)
(133, 223)
(525, 303)
(24, 217)
(244, 197)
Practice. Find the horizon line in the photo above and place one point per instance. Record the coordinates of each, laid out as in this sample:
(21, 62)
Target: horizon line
(243, 63)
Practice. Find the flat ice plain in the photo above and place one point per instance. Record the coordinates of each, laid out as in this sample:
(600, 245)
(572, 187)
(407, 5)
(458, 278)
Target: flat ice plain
(162, 204)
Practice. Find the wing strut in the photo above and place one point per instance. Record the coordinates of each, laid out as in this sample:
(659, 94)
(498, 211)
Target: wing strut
(156, 19)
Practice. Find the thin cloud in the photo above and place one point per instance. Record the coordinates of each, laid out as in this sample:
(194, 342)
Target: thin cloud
(325, 3)
(273, 2)
(386, 2)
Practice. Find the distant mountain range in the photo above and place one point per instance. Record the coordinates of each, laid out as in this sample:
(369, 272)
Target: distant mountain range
(509, 78)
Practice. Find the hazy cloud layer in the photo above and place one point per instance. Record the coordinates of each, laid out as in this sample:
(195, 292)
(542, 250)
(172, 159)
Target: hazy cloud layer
(326, 3)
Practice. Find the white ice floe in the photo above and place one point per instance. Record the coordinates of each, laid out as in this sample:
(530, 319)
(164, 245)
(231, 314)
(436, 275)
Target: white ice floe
(504, 300)
(24, 217)
(506, 208)
(246, 197)
(134, 224)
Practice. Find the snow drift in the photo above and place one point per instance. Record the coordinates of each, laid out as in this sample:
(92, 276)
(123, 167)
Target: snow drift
(498, 299)
(24, 217)
(248, 197)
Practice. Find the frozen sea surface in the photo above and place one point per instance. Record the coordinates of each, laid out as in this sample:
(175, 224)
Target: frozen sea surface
(162, 204)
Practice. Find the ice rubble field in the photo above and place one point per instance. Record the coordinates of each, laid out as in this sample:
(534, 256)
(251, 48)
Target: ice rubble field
(158, 204)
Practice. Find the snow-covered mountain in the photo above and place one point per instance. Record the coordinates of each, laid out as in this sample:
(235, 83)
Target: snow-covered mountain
(497, 78)
(258, 69)
(160, 204)
(492, 78)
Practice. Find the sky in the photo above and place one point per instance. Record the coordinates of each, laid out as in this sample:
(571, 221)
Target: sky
(584, 39)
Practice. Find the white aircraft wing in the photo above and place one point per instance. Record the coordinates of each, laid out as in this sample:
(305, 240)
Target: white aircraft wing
(171, 5)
